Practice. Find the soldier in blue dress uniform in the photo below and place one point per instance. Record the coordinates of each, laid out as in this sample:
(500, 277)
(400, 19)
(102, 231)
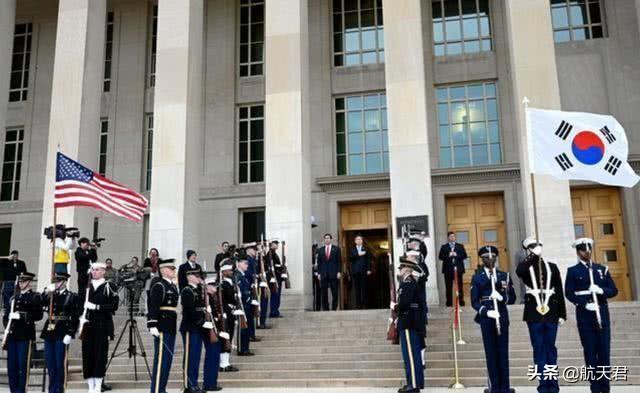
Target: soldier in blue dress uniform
(544, 311)
(251, 275)
(411, 325)
(276, 280)
(264, 279)
(244, 294)
(191, 328)
(588, 285)
(24, 311)
(59, 329)
(162, 320)
(490, 288)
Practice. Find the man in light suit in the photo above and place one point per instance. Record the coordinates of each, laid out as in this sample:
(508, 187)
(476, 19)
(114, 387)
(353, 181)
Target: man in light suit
(452, 255)
(360, 270)
(329, 272)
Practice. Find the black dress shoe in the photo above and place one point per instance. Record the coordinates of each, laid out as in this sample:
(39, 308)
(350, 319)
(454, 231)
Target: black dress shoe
(105, 387)
(246, 353)
(487, 391)
(264, 327)
(408, 389)
(228, 369)
(402, 389)
(213, 389)
(255, 339)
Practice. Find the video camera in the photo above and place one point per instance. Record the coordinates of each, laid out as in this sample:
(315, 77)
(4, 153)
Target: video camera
(98, 241)
(61, 231)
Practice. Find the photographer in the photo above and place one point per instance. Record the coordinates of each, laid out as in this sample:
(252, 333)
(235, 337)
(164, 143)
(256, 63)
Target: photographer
(64, 242)
(86, 254)
(110, 273)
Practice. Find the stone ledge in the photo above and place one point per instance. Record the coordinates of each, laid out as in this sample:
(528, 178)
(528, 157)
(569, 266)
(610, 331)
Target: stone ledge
(20, 207)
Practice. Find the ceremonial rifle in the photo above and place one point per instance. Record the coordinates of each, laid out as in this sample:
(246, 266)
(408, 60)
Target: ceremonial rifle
(493, 279)
(83, 318)
(208, 316)
(594, 297)
(285, 270)
(223, 316)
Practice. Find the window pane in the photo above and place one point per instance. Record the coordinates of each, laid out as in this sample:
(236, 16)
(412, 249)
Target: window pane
(356, 165)
(476, 110)
(438, 32)
(372, 119)
(445, 157)
(478, 133)
(559, 17)
(373, 142)
(355, 143)
(459, 112)
(354, 121)
(354, 102)
(480, 155)
(496, 156)
(459, 135)
(374, 163)
(461, 156)
(470, 28)
(443, 113)
(561, 36)
(457, 93)
(444, 136)
(369, 40)
(453, 30)
(341, 144)
(475, 91)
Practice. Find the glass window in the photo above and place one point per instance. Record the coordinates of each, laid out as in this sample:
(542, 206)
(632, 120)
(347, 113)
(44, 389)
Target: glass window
(469, 132)
(148, 142)
(460, 26)
(251, 37)
(19, 82)
(153, 47)
(108, 53)
(358, 34)
(12, 165)
(577, 20)
(251, 144)
(104, 138)
(362, 143)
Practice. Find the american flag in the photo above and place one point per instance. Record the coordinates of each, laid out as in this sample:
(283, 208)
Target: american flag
(77, 185)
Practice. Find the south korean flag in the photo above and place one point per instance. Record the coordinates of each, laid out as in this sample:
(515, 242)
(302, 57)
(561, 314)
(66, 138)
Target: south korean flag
(581, 146)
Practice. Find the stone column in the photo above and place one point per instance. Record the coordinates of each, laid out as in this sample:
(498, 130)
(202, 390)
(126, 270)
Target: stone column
(407, 101)
(7, 25)
(75, 108)
(178, 101)
(287, 152)
(534, 75)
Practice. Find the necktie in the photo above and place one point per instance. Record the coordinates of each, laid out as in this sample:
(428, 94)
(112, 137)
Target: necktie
(327, 251)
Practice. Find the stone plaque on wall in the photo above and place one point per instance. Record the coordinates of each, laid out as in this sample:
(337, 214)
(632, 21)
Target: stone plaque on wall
(415, 224)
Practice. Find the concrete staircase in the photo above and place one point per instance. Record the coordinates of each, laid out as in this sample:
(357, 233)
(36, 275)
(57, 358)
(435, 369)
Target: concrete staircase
(348, 349)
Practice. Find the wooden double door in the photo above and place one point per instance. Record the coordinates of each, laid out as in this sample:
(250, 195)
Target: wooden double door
(477, 221)
(597, 214)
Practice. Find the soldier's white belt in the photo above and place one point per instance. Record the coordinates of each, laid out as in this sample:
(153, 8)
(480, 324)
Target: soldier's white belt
(545, 291)
(581, 293)
(167, 308)
(61, 318)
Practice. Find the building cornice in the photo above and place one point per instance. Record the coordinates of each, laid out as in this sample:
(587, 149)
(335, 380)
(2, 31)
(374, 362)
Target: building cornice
(20, 207)
(235, 191)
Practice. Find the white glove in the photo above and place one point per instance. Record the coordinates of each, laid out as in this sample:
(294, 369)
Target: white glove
(209, 309)
(154, 332)
(591, 307)
(496, 295)
(90, 306)
(14, 315)
(561, 321)
(51, 287)
(392, 305)
(66, 339)
(207, 325)
(596, 289)
(493, 314)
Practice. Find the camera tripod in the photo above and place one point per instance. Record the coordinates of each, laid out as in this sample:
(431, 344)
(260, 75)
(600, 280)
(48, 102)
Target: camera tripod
(135, 340)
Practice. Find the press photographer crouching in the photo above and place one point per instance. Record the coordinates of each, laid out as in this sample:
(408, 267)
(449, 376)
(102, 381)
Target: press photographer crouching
(86, 254)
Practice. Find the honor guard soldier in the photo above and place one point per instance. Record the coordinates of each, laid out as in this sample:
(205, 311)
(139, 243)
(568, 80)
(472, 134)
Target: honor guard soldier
(491, 291)
(421, 274)
(229, 309)
(588, 286)
(276, 279)
(244, 296)
(192, 325)
(211, 349)
(161, 321)
(252, 276)
(96, 326)
(62, 308)
(544, 311)
(411, 326)
(20, 331)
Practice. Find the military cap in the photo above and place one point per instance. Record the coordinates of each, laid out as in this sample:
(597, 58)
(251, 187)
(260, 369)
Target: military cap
(61, 276)
(487, 252)
(26, 276)
(530, 241)
(98, 265)
(170, 263)
(583, 244)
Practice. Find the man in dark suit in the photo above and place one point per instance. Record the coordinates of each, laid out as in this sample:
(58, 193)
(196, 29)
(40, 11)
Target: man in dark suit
(329, 272)
(452, 255)
(360, 270)
(11, 268)
(222, 255)
(190, 264)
